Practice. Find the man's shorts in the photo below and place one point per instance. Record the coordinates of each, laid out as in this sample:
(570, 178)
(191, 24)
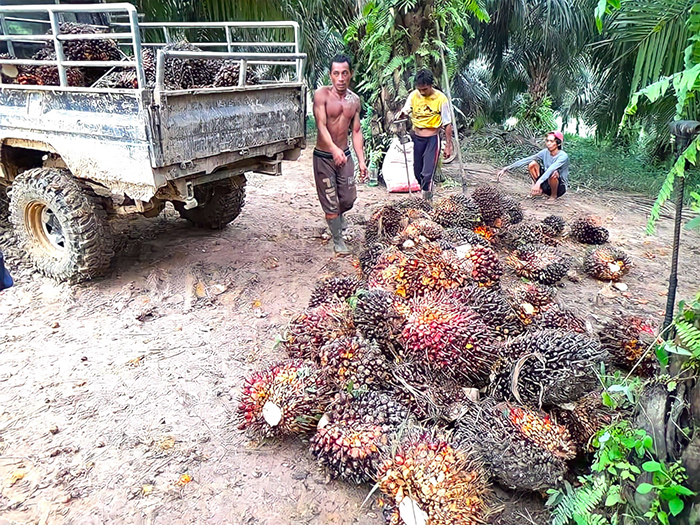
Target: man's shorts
(335, 185)
(547, 189)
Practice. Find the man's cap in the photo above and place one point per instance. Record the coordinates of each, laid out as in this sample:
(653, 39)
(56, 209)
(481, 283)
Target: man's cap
(557, 134)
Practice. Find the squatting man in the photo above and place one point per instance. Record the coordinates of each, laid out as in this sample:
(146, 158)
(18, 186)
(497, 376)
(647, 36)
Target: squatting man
(548, 168)
(336, 109)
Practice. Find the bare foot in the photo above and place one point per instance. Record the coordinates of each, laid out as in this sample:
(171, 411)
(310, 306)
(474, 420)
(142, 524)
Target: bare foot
(551, 200)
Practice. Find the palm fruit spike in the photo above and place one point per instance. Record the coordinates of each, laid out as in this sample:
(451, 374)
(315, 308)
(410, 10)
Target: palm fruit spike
(427, 268)
(125, 78)
(314, 327)
(459, 236)
(384, 224)
(188, 73)
(285, 399)
(353, 363)
(627, 339)
(414, 203)
(534, 293)
(449, 339)
(567, 320)
(493, 307)
(377, 316)
(546, 368)
(490, 203)
(540, 429)
(456, 211)
(606, 263)
(539, 262)
(421, 230)
(369, 256)
(486, 267)
(431, 398)
(522, 234)
(353, 434)
(429, 480)
(333, 290)
(100, 50)
(518, 448)
(49, 76)
(587, 230)
(588, 416)
(512, 210)
(553, 225)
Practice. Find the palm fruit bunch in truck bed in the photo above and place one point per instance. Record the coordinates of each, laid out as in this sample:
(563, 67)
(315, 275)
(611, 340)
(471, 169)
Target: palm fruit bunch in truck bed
(8, 72)
(628, 340)
(353, 363)
(546, 367)
(87, 50)
(229, 72)
(188, 73)
(429, 480)
(456, 211)
(544, 264)
(521, 448)
(285, 399)
(607, 263)
(354, 433)
(125, 78)
(587, 230)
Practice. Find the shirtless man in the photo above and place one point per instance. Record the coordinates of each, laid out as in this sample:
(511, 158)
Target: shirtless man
(336, 108)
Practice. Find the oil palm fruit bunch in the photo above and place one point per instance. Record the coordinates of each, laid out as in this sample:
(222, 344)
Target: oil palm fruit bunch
(456, 211)
(535, 294)
(490, 203)
(353, 434)
(541, 263)
(414, 203)
(425, 269)
(627, 338)
(125, 78)
(547, 367)
(314, 327)
(522, 234)
(188, 73)
(485, 232)
(486, 268)
(380, 315)
(429, 480)
(421, 230)
(228, 74)
(460, 236)
(430, 397)
(588, 416)
(606, 263)
(370, 254)
(9, 72)
(493, 307)
(353, 363)
(285, 399)
(563, 319)
(334, 290)
(385, 224)
(48, 76)
(521, 448)
(513, 212)
(587, 230)
(100, 50)
(553, 225)
(449, 338)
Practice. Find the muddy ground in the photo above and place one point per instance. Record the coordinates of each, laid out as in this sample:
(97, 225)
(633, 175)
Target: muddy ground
(118, 396)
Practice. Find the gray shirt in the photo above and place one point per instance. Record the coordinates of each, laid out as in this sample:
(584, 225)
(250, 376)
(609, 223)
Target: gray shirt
(550, 163)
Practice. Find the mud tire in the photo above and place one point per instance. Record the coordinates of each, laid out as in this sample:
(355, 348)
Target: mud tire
(220, 203)
(61, 224)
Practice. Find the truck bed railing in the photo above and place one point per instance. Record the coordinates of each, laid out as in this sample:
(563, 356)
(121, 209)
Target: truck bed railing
(129, 35)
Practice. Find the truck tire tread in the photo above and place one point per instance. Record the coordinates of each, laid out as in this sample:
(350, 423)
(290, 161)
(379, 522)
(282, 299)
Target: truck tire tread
(222, 206)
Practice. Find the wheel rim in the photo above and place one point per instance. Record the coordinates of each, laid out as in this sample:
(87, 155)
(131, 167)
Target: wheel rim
(45, 228)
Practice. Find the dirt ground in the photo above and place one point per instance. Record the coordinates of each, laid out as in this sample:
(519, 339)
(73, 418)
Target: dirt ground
(118, 396)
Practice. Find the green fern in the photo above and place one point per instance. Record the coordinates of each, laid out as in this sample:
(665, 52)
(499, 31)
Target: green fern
(578, 505)
(689, 336)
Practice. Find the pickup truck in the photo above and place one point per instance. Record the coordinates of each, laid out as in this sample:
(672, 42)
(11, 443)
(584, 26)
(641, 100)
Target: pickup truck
(73, 156)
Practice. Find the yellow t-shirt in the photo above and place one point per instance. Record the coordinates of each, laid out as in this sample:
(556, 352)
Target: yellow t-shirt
(428, 112)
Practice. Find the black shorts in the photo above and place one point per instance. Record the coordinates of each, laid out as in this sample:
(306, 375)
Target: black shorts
(547, 189)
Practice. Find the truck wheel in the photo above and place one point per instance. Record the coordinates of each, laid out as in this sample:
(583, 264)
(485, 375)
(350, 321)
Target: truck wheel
(219, 203)
(61, 224)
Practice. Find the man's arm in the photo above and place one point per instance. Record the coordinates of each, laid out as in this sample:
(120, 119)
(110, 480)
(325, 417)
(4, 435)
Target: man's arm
(521, 162)
(324, 135)
(446, 117)
(406, 110)
(358, 142)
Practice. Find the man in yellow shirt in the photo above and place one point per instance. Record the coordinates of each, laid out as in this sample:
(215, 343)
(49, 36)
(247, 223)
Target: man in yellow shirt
(429, 109)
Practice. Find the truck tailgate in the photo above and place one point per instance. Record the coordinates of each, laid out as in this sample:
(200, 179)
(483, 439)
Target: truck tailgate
(196, 125)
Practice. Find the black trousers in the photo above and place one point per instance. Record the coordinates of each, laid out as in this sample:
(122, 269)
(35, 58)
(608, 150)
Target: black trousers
(426, 152)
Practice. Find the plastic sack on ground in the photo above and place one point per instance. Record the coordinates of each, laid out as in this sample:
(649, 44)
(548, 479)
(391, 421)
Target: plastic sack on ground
(394, 168)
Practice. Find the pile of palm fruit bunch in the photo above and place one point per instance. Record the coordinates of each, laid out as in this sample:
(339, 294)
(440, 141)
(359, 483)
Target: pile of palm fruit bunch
(438, 367)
